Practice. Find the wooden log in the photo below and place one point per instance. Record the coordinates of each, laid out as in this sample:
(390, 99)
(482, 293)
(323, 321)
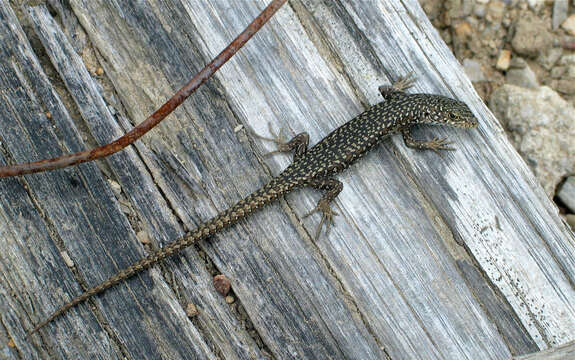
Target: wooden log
(452, 256)
(566, 351)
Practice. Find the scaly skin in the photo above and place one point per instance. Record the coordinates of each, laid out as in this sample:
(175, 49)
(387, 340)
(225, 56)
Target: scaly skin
(316, 166)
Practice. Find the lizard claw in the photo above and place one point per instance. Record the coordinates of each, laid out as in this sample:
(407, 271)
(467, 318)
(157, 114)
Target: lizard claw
(439, 144)
(278, 139)
(404, 82)
(327, 218)
(400, 85)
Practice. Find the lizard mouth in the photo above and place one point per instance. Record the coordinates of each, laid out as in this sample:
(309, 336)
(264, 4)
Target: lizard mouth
(469, 125)
(467, 122)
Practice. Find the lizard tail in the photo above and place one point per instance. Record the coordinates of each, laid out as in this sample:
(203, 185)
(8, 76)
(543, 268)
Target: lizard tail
(240, 210)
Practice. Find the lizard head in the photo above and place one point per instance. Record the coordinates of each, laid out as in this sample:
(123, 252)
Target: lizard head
(441, 110)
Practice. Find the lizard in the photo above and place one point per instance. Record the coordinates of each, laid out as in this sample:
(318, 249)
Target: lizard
(315, 167)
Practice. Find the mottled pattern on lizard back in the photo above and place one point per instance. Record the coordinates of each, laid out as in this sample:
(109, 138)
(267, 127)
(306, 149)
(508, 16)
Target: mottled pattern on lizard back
(349, 142)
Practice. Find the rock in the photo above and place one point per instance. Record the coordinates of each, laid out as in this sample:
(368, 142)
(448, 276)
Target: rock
(549, 58)
(564, 86)
(525, 78)
(143, 237)
(541, 126)
(567, 60)
(564, 72)
(531, 36)
(558, 71)
(503, 60)
(536, 4)
(192, 310)
(222, 284)
(116, 188)
(432, 8)
(569, 25)
(567, 193)
(568, 44)
(520, 74)
(473, 70)
(560, 8)
(479, 10)
(495, 11)
(463, 30)
(67, 259)
(570, 220)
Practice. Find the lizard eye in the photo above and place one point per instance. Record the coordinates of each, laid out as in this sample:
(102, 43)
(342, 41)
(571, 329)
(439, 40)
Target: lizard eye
(452, 116)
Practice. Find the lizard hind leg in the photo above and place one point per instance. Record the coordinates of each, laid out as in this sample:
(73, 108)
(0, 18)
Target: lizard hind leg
(404, 82)
(299, 143)
(333, 188)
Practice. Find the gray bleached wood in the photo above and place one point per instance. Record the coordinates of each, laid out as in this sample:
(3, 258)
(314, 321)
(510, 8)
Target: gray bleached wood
(72, 210)
(416, 265)
(137, 183)
(563, 352)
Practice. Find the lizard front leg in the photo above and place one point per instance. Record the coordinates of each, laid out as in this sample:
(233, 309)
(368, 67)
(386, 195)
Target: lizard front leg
(435, 144)
(332, 187)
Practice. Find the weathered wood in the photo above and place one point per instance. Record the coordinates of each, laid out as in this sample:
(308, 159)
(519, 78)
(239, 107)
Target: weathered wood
(452, 256)
(151, 208)
(497, 308)
(74, 210)
(566, 351)
(487, 200)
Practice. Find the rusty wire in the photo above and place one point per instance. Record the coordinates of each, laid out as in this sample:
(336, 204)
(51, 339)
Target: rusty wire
(159, 115)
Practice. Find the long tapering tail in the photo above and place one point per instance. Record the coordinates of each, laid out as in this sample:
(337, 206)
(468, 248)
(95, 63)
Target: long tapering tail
(267, 194)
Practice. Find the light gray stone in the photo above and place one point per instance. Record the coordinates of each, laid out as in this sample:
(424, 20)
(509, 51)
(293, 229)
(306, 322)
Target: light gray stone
(473, 70)
(567, 193)
(560, 8)
(541, 125)
(520, 74)
(531, 36)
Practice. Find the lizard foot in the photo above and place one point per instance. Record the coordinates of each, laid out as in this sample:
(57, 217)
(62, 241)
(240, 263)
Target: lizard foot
(327, 217)
(279, 139)
(404, 82)
(399, 86)
(438, 144)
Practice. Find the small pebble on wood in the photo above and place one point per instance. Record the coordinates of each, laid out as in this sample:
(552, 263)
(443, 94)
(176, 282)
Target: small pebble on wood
(143, 237)
(67, 259)
(222, 284)
(192, 310)
(116, 188)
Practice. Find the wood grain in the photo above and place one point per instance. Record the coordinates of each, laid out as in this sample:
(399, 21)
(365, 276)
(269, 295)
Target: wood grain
(566, 351)
(452, 256)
